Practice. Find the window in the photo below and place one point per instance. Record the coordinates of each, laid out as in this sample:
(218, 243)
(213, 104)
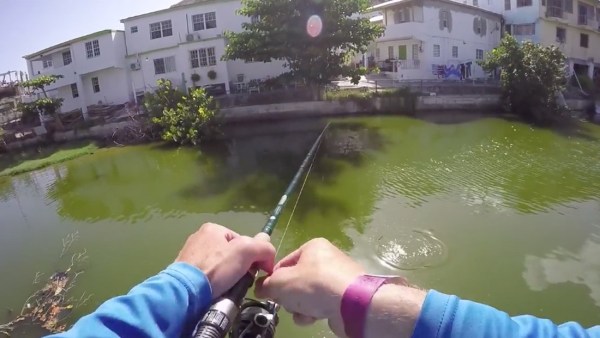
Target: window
(377, 53)
(507, 5)
(479, 54)
(75, 91)
(164, 65)
(206, 21)
(255, 18)
(455, 51)
(508, 29)
(524, 29)
(95, 85)
(402, 15)
(586, 14)
(92, 49)
(415, 52)
(583, 40)
(391, 52)
(568, 5)
(475, 3)
(212, 58)
(161, 29)
(67, 57)
(203, 57)
(134, 29)
(523, 3)
(444, 15)
(561, 35)
(47, 63)
(436, 51)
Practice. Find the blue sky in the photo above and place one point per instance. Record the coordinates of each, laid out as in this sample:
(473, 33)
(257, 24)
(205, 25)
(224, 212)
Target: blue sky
(32, 25)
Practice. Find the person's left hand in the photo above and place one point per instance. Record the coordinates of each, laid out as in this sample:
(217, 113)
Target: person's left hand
(225, 256)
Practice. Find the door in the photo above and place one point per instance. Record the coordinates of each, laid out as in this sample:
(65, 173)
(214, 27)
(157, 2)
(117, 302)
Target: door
(402, 52)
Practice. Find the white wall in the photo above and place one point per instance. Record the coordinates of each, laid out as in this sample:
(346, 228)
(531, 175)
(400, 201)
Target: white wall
(113, 87)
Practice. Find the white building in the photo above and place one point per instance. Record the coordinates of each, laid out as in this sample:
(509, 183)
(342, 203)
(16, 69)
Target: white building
(435, 39)
(572, 25)
(92, 68)
(187, 39)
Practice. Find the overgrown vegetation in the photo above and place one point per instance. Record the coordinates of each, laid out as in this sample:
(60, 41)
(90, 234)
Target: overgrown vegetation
(399, 100)
(33, 159)
(43, 106)
(531, 76)
(316, 39)
(182, 118)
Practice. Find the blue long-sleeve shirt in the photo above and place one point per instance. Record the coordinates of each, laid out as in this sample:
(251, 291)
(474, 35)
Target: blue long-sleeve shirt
(168, 304)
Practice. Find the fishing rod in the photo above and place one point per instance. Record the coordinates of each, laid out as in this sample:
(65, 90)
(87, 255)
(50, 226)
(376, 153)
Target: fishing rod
(247, 318)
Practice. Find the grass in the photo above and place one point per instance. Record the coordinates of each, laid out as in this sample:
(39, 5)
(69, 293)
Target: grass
(32, 159)
(364, 94)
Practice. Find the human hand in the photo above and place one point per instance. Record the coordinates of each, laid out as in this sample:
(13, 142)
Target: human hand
(225, 256)
(310, 283)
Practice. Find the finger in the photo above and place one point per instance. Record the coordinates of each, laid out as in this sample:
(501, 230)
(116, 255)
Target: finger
(260, 291)
(289, 260)
(255, 252)
(302, 320)
(274, 286)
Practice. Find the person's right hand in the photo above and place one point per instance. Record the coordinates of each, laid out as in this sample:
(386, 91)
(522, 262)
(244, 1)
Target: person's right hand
(310, 283)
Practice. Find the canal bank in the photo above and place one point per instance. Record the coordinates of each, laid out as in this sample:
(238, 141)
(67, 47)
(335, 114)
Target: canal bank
(409, 104)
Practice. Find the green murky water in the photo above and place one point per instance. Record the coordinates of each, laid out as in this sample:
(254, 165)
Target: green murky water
(490, 209)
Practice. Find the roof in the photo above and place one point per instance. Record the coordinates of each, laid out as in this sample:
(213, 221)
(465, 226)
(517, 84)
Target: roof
(392, 3)
(70, 42)
(179, 5)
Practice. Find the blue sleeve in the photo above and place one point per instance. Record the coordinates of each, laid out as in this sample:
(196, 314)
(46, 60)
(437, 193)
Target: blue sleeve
(444, 316)
(166, 305)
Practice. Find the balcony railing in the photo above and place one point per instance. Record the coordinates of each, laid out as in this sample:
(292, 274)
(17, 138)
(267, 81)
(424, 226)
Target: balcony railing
(555, 12)
(409, 64)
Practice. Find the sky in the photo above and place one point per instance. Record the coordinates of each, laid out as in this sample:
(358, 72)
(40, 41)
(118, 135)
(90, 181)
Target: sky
(32, 25)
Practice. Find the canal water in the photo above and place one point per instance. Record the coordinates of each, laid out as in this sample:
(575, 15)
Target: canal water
(490, 209)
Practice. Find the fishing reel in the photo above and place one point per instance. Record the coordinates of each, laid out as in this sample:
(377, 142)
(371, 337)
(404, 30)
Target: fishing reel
(256, 320)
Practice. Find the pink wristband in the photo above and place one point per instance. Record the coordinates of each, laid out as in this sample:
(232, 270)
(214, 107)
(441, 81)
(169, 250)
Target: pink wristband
(355, 303)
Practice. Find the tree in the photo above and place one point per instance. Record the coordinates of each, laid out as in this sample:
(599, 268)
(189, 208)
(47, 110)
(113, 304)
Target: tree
(531, 77)
(316, 39)
(185, 119)
(46, 105)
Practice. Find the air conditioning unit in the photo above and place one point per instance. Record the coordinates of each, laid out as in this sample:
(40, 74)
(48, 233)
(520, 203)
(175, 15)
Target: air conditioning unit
(189, 37)
(135, 66)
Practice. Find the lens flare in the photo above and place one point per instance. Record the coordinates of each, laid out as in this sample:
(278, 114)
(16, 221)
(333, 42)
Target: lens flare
(314, 26)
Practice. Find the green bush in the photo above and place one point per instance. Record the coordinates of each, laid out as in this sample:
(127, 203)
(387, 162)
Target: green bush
(165, 97)
(212, 74)
(190, 121)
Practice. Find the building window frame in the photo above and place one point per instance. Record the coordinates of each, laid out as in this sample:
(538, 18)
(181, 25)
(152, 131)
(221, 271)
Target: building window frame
(164, 65)
(455, 52)
(415, 51)
(161, 29)
(390, 52)
(561, 34)
(478, 54)
(133, 29)
(204, 21)
(507, 5)
(584, 40)
(203, 57)
(92, 49)
(95, 84)
(437, 50)
(67, 58)
(524, 3)
(525, 29)
(74, 90)
(47, 63)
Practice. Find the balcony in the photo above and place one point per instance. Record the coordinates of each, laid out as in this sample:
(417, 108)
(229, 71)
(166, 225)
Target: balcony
(409, 64)
(555, 12)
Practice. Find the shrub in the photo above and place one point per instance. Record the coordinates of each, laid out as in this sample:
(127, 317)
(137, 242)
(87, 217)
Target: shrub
(532, 75)
(165, 97)
(212, 74)
(195, 77)
(191, 121)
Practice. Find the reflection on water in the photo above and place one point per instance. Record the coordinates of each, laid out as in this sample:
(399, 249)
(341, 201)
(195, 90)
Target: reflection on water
(412, 249)
(564, 266)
